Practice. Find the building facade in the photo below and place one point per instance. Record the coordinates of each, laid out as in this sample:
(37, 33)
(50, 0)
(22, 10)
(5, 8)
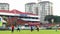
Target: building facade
(4, 6)
(31, 8)
(44, 8)
(16, 17)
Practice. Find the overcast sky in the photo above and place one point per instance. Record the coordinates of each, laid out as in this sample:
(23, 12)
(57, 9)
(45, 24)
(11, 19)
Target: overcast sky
(20, 5)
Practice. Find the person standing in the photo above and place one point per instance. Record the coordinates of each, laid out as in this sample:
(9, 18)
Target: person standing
(12, 28)
(57, 27)
(37, 28)
(31, 28)
(18, 28)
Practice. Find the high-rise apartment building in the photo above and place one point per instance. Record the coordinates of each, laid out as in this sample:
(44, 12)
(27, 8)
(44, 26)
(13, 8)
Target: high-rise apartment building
(4, 6)
(44, 8)
(31, 8)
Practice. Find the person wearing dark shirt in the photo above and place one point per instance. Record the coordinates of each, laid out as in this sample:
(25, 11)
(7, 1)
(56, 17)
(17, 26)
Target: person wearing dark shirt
(18, 28)
(37, 28)
(31, 28)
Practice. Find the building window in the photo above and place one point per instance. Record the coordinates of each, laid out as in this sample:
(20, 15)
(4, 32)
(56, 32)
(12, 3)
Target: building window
(2, 8)
(29, 17)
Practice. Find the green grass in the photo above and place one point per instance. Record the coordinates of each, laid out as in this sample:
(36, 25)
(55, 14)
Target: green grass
(29, 32)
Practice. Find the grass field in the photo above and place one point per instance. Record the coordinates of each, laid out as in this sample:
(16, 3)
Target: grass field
(29, 32)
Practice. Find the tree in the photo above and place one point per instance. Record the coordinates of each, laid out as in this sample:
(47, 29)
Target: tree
(49, 18)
